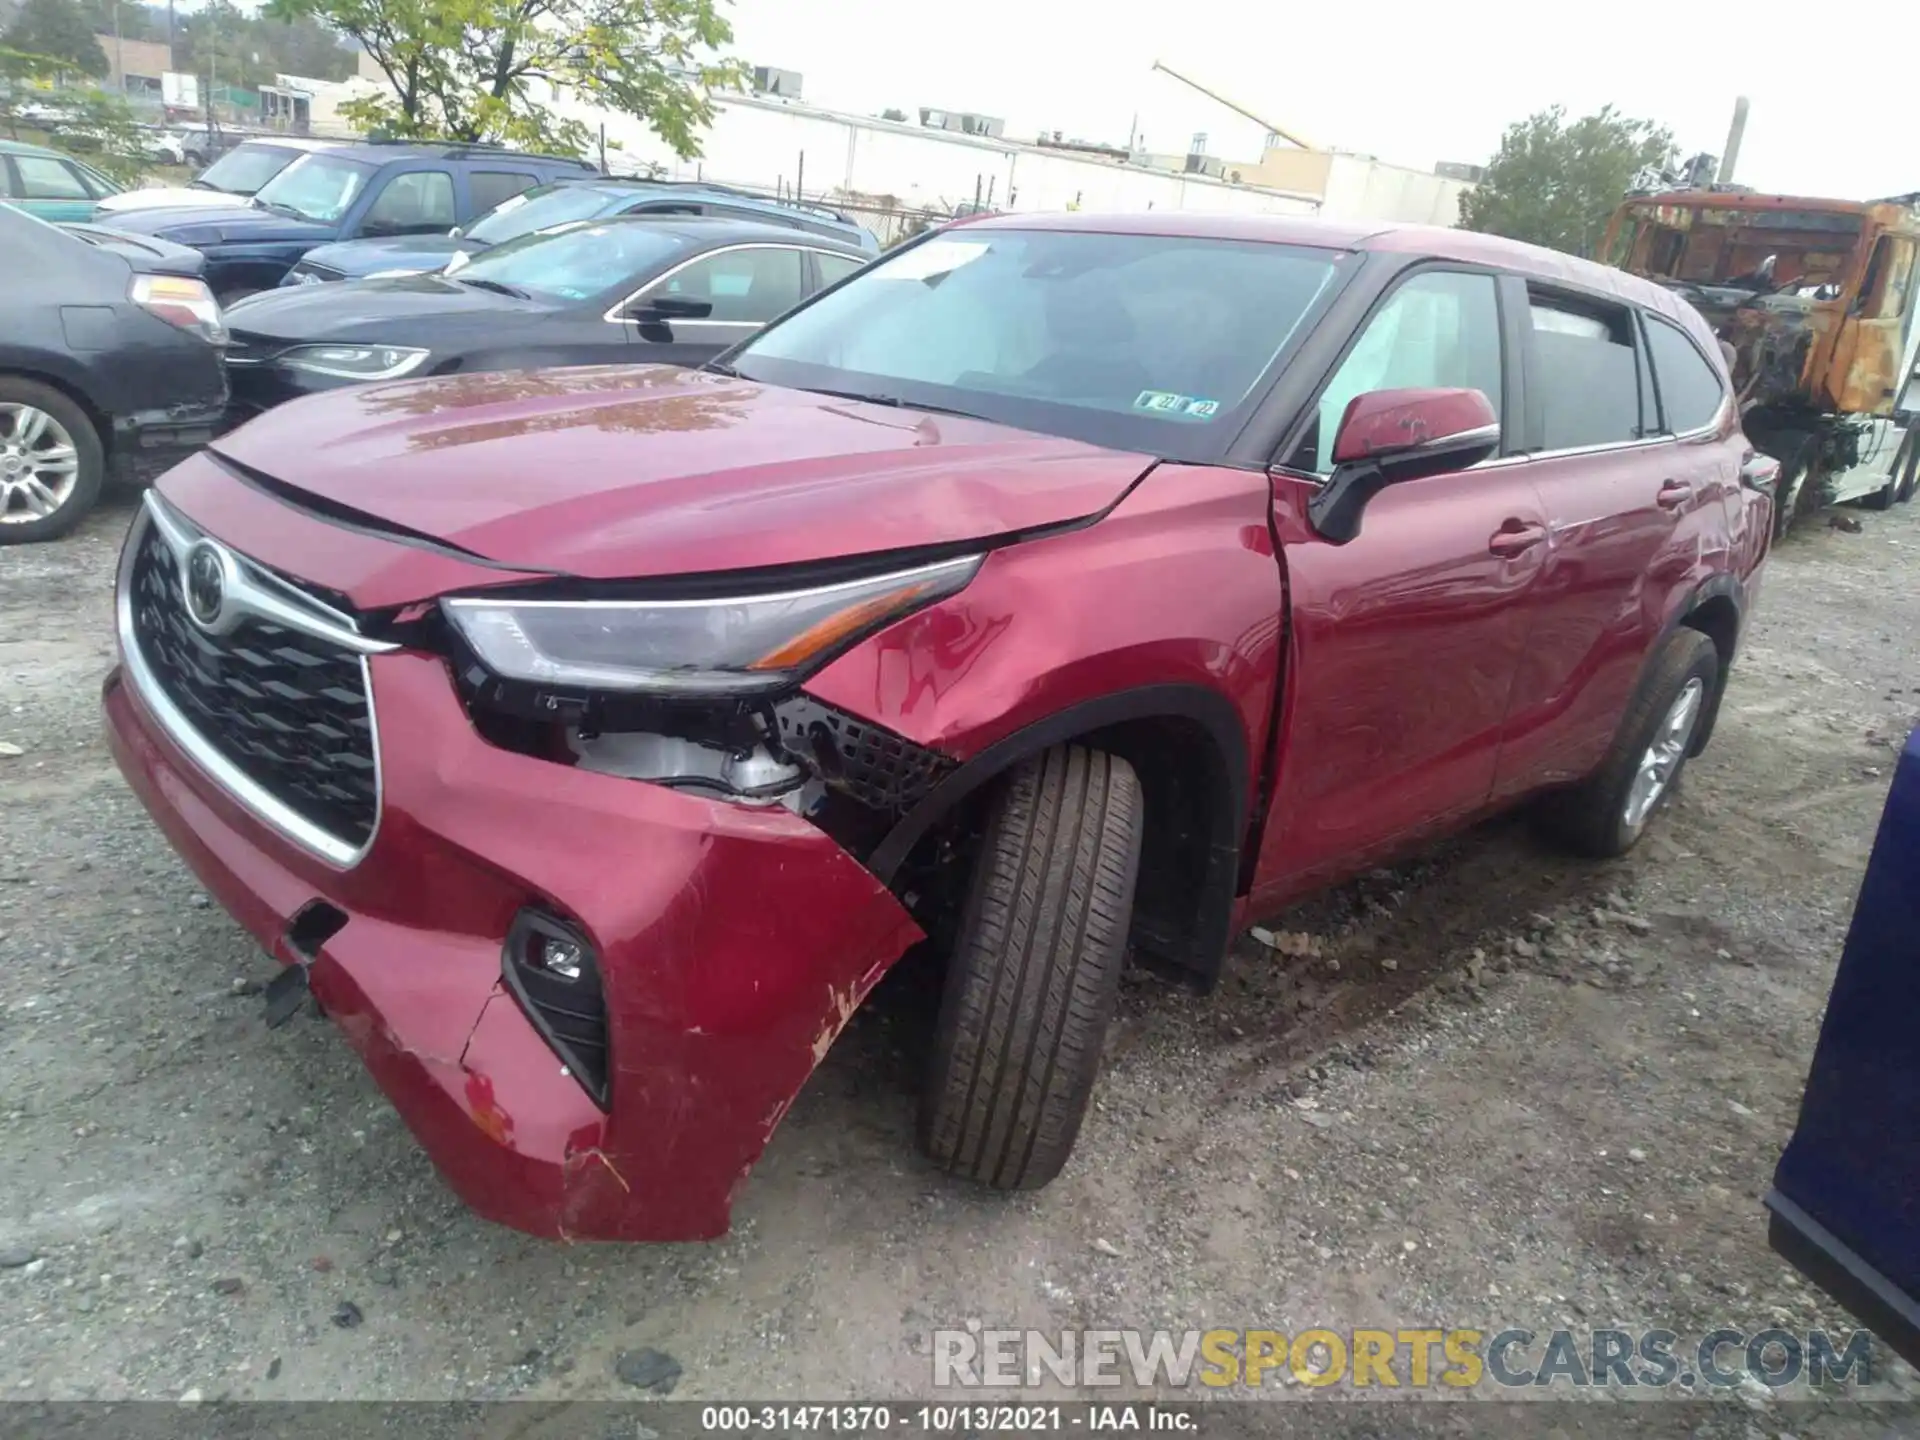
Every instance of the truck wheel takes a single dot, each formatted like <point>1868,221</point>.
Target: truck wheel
<point>51,462</point>
<point>1606,815</point>
<point>1907,465</point>
<point>1035,970</point>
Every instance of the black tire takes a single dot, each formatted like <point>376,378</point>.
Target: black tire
<point>1591,818</point>
<point>1907,465</point>
<point>89,475</point>
<point>1035,970</point>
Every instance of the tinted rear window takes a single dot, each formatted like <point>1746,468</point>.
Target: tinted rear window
<point>1585,372</point>
<point>1690,390</point>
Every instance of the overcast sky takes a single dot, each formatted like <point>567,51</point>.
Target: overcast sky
<point>1409,82</point>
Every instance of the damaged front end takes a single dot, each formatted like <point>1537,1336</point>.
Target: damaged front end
<point>611,910</point>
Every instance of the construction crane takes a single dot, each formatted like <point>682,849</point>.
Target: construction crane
<point>1267,125</point>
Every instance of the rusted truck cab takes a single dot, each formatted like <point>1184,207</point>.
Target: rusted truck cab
<point>1815,299</point>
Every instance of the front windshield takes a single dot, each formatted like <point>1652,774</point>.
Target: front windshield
<point>243,170</point>
<point>1151,342</point>
<point>320,188</point>
<point>577,263</point>
<point>539,209</point>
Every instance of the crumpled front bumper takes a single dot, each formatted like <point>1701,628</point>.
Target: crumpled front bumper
<point>734,944</point>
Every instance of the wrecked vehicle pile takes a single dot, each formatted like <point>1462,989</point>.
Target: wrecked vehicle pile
<point>1815,301</point>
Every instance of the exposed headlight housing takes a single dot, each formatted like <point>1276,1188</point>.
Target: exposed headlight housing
<point>744,645</point>
<point>182,301</point>
<point>355,362</point>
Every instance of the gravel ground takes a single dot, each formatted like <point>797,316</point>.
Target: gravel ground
<point>1492,1088</point>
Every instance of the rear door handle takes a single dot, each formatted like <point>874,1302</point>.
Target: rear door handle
<point>1516,537</point>
<point>1674,494</point>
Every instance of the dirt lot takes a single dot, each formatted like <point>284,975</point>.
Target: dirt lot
<point>1473,1102</point>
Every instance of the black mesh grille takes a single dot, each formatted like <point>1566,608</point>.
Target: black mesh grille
<point>288,709</point>
<point>866,762</point>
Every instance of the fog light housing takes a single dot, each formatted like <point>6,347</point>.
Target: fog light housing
<point>550,967</point>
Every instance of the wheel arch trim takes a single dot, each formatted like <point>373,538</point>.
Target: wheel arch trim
<point>1229,786</point>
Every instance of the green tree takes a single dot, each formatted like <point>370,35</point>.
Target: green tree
<point>488,69</point>
<point>1555,182</point>
<point>59,30</point>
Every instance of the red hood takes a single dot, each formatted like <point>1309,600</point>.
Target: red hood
<point>623,471</point>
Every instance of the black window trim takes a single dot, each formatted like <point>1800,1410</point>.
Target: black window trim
<point>1512,381</point>
<point>1536,422</point>
<point>1666,431</point>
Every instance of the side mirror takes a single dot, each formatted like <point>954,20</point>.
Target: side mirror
<point>1767,267</point>
<point>1388,436</point>
<point>669,307</point>
<point>456,232</point>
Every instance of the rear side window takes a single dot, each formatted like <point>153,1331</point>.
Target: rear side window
<point>1439,330</point>
<point>1690,392</point>
<point>42,178</point>
<point>1585,374</point>
<point>490,187</point>
<point>834,268</point>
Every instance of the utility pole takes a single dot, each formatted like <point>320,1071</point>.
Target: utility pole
<point>1739,129</point>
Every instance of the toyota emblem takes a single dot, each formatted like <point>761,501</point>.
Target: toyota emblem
<point>206,583</point>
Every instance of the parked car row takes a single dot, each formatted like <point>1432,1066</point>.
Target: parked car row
<point>628,289</point>
<point>586,270</point>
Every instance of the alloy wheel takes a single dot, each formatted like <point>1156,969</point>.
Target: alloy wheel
<point>1664,754</point>
<point>39,464</point>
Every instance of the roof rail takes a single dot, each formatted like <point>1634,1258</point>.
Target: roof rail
<point>460,149</point>
<point>813,207</point>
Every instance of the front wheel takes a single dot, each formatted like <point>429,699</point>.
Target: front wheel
<point>1035,971</point>
<point>51,462</point>
<point>1606,815</point>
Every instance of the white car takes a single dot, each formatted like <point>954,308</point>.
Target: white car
<point>232,178</point>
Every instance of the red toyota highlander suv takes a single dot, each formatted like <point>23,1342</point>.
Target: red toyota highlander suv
<point>588,743</point>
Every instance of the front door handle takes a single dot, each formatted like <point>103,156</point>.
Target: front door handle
<point>1516,537</point>
<point>1674,494</point>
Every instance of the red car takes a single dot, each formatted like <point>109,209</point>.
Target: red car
<point>590,742</point>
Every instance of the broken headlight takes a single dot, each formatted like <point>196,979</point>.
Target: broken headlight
<point>737,646</point>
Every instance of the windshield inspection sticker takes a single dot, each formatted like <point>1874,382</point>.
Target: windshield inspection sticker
<point>1183,407</point>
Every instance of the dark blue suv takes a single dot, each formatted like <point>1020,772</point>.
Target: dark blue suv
<point>350,193</point>
<point>568,202</point>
